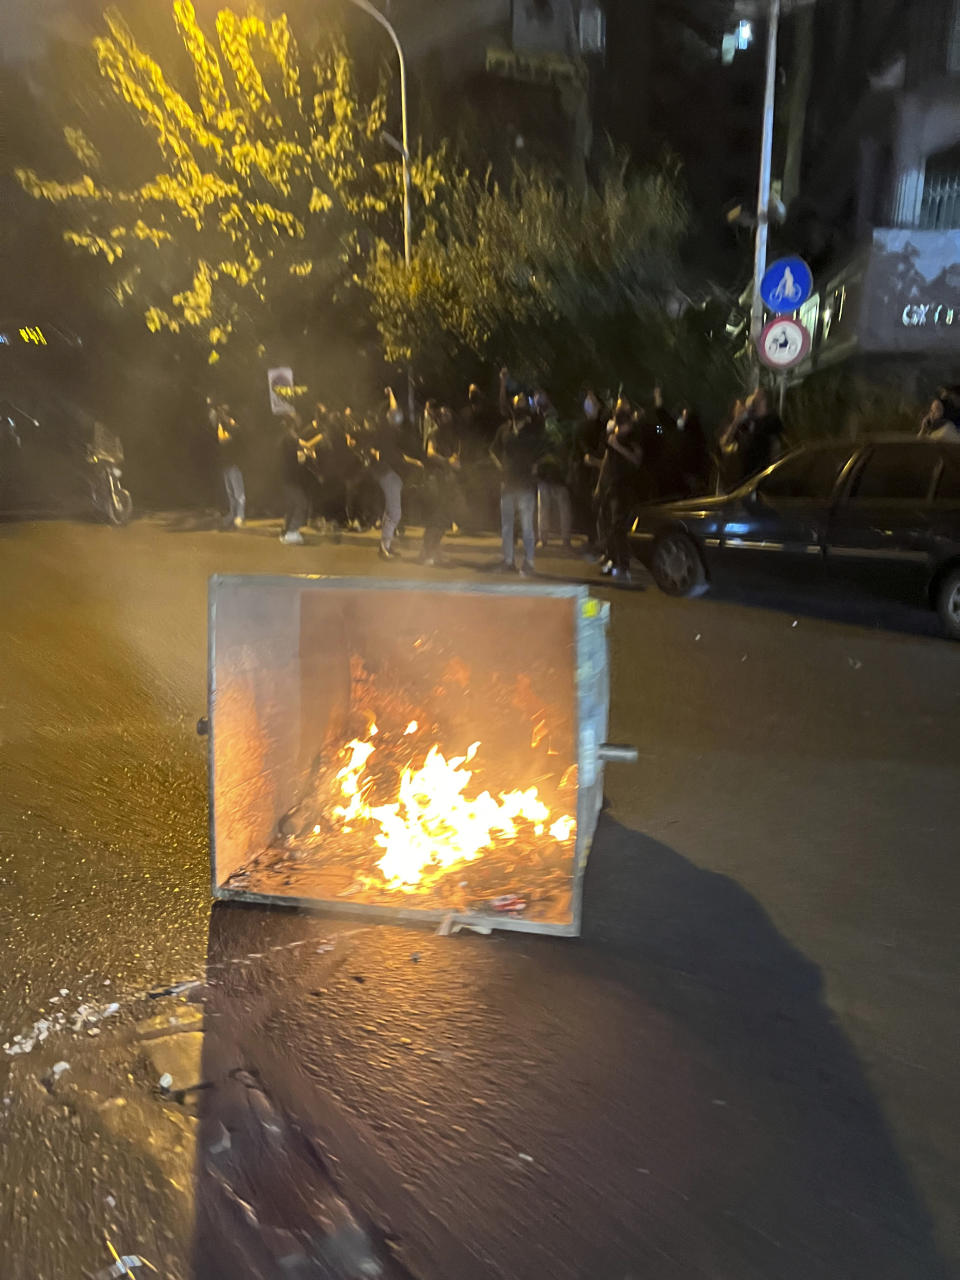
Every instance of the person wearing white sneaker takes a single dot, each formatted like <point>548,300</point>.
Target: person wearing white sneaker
<point>391,461</point>
<point>516,453</point>
<point>296,502</point>
<point>617,490</point>
<point>228,448</point>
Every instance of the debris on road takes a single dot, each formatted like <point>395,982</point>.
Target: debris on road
<point>59,1068</point>
<point>509,902</point>
<point>177,989</point>
<point>223,1142</point>
<point>178,1058</point>
<point>123,1266</point>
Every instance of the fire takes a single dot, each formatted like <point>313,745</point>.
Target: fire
<point>434,823</point>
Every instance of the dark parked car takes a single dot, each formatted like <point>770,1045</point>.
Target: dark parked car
<point>883,514</point>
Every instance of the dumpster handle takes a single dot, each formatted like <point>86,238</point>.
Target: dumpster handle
<point>616,753</point>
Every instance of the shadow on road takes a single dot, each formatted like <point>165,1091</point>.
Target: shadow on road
<point>877,615</point>
<point>669,1095</point>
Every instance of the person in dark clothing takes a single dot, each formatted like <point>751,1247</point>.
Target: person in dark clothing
<point>618,492</point>
<point>516,451</point>
<point>949,397</point>
<point>684,462</point>
<point>228,449</point>
<point>753,440</point>
<point>763,441</point>
<point>296,499</point>
<point>441,467</point>
<point>589,446</point>
<point>554,509</point>
<point>478,424</point>
<point>391,460</point>
<point>694,452</point>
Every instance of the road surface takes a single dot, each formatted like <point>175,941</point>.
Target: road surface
<point>745,1068</point>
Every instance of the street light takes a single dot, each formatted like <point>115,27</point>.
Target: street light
<point>766,171</point>
<point>774,9</point>
<point>403,146</point>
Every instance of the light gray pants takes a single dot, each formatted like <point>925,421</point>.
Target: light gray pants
<point>392,487</point>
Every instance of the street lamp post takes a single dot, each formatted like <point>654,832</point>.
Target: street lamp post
<point>404,149</point>
<point>766,170</point>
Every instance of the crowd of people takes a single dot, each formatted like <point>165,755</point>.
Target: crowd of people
<point>552,477</point>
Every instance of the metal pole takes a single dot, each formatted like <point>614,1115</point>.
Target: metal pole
<point>375,13</point>
<point>766,170</point>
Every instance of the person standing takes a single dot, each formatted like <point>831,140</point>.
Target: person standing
<point>479,422</point>
<point>588,449</point>
<point>617,492</point>
<point>441,467</point>
<point>296,499</point>
<point>761,439</point>
<point>390,463</point>
<point>694,452</point>
<point>228,449</point>
<point>516,451</point>
<point>554,510</point>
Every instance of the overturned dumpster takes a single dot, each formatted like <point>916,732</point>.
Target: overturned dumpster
<point>407,750</point>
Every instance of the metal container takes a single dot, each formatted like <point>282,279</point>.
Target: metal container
<point>298,663</point>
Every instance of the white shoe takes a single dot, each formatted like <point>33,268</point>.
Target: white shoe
<point>238,522</point>
<point>292,539</point>
<point>606,568</point>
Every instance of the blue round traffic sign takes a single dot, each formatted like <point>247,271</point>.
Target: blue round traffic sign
<point>786,286</point>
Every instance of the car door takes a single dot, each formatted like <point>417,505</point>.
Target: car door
<point>781,524</point>
<point>880,537</point>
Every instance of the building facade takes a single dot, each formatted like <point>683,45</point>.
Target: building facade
<point>877,211</point>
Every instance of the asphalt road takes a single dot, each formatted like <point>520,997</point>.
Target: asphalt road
<point>745,1068</point>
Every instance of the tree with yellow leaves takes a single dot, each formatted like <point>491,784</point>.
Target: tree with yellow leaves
<point>242,199</point>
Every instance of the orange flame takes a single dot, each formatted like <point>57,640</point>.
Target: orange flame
<point>433,824</point>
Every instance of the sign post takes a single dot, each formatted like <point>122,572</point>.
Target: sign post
<point>783,343</point>
<point>786,286</point>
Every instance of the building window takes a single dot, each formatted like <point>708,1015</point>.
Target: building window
<point>940,209</point>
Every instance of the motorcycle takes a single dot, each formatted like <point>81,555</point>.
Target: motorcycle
<point>110,499</point>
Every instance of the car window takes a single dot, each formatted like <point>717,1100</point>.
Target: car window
<point>811,475</point>
<point>897,472</point>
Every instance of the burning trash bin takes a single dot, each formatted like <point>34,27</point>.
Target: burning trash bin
<point>407,750</point>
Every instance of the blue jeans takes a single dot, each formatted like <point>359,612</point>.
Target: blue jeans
<point>236,494</point>
<point>513,503</point>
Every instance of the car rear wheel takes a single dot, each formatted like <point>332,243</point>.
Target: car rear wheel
<point>676,565</point>
<point>948,603</point>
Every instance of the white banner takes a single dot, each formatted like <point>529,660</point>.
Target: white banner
<point>282,380</point>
